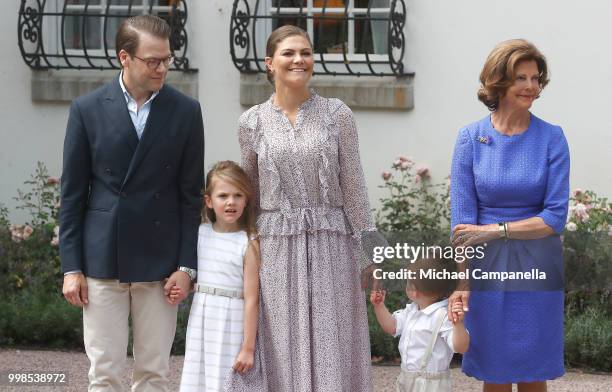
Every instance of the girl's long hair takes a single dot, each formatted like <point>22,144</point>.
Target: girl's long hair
<point>231,172</point>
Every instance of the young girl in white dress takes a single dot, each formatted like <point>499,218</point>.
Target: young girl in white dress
<point>429,337</point>
<point>222,327</point>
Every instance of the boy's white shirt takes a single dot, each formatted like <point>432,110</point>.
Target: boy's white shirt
<point>415,327</point>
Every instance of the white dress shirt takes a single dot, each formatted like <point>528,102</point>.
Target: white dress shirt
<point>415,327</point>
<point>139,116</point>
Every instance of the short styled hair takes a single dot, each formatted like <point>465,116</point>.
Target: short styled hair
<point>279,35</point>
<point>128,34</point>
<point>499,70</point>
<point>432,286</point>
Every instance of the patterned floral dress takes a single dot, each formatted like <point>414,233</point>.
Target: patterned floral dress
<point>313,210</point>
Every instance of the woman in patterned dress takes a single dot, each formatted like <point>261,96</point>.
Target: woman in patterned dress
<point>510,179</point>
<point>301,153</point>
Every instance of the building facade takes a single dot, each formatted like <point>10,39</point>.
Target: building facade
<point>414,111</point>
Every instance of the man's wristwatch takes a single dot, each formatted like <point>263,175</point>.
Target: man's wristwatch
<point>189,271</point>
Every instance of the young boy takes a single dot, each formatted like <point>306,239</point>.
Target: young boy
<point>428,336</point>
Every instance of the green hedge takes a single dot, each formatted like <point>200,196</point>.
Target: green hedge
<point>33,312</point>
<point>40,319</point>
<point>46,320</point>
<point>588,340</point>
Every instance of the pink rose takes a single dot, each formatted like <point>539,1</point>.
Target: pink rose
<point>386,176</point>
<point>52,181</point>
<point>16,233</point>
<point>27,232</point>
<point>577,192</point>
<point>580,212</point>
<point>405,162</point>
<point>405,165</point>
<point>422,171</point>
<point>20,232</point>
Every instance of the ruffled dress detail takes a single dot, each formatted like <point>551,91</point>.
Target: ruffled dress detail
<point>312,211</point>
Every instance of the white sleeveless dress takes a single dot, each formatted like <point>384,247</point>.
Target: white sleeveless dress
<point>215,327</point>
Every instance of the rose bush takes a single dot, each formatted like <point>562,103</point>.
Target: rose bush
<point>413,211</point>
<point>416,211</point>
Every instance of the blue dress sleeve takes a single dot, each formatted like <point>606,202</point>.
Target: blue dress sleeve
<point>464,201</point>
<point>554,211</point>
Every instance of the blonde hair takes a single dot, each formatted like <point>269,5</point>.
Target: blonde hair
<point>499,70</point>
<point>231,172</point>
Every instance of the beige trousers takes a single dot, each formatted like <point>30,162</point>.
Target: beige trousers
<point>105,332</point>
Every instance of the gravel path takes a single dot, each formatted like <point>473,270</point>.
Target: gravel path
<point>76,364</point>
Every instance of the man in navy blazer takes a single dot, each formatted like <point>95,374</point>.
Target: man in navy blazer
<point>132,177</point>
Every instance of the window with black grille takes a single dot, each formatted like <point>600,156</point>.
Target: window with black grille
<point>81,33</point>
<point>350,37</point>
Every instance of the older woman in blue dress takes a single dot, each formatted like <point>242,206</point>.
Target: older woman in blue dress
<point>510,190</point>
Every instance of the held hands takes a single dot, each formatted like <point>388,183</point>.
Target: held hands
<point>244,360</point>
<point>456,315</point>
<point>176,295</point>
<point>75,289</point>
<point>177,287</point>
<point>458,301</point>
<point>469,235</point>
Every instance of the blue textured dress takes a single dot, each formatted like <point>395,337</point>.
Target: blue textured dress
<point>516,331</point>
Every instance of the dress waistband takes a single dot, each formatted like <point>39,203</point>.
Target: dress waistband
<point>201,288</point>
<point>297,220</point>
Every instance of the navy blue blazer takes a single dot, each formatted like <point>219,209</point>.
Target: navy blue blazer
<point>130,209</point>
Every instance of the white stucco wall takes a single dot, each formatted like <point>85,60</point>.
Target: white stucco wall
<point>29,132</point>
<point>447,43</point>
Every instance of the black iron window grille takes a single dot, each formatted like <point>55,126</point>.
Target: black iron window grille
<point>80,34</point>
<point>350,37</point>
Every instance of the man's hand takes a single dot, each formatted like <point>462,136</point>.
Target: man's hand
<point>176,295</point>
<point>180,279</point>
<point>75,289</point>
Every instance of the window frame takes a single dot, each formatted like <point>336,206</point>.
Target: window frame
<point>351,11</point>
<point>42,38</point>
<point>251,23</point>
<point>105,9</point>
